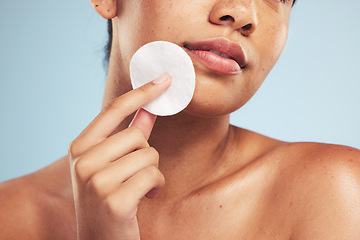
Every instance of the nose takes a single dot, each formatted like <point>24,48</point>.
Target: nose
<point>238,14</point>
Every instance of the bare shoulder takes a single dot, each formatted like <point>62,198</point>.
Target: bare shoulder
<point>31,208</point>
<point>324,182</point>
<point>19,209</point>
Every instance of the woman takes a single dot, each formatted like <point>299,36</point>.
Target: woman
<point>192,175</point>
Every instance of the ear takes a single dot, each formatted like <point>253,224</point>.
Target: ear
<point>106,8</point>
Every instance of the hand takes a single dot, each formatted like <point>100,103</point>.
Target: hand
<point>112,173</point>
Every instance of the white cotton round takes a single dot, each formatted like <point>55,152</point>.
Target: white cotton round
<point>156,58</point>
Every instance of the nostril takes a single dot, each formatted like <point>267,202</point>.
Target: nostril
<point>247,27</point>
<point>227,18</point>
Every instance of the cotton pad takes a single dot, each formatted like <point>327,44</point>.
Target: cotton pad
<point>156,58</point>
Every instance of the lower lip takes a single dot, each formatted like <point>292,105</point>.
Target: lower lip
<point>216,63</point>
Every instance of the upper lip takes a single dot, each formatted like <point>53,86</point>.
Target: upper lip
<point>222,45</point>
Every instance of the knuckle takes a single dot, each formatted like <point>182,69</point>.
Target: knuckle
<point>153,154</point>
<point>154,176</point>
<point>137,133</point>
<point>96,185</point>
<point>77,166</point>
<point>152,173</point>
<point>144,88</point>
<point>73,149</point>
<point>114,102</point>
<point>145,92</point>
<point>80,169</point>
<point>161,179</point>
<point>137,138</point>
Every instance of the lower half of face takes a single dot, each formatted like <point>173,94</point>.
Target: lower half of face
<point>187,23</point>
<point>216,94</point>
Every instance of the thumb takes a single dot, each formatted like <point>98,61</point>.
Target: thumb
<point>145,121</point>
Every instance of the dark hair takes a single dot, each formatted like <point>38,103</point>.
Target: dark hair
<point>109,42</point>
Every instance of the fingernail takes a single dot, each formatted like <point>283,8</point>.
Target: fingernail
<point>161,79</point>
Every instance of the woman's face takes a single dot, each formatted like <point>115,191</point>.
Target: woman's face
<point>252,33</point>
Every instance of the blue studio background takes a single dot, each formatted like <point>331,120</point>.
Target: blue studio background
<point>52,79</point>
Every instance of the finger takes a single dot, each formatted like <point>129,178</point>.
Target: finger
<point>109,179</point>
<point>109,150</point>
<point>109,119</point>
<point>126,199</point>
<point>143,181</point>
<point>145,121</point>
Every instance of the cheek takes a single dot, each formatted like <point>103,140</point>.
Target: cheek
<point>269,45</point>
<point>273,44</point>
<point>171,21</point>
<point>168,19</point>
<point>143,21</point>
<point>279,42</point>
<point>144,24</point>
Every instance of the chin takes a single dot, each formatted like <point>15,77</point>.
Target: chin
<point>210,108</point>
<point>219,96</point>
<point>206,113</point>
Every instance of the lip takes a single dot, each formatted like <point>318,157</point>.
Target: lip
<point>232,64</point>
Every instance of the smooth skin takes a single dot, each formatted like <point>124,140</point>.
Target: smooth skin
<point>192,175</point>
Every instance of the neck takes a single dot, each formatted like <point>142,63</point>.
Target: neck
<point>190,149</point>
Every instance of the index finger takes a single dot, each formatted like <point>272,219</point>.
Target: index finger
<point>121,107</point>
